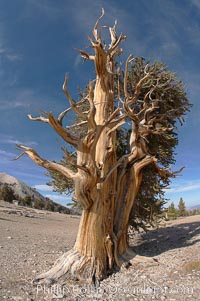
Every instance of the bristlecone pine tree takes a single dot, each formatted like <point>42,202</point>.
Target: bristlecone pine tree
<point>106,184</point>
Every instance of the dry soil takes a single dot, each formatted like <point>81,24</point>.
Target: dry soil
<point>31,240</point>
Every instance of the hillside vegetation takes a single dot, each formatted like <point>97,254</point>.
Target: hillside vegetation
<point>14,190</point>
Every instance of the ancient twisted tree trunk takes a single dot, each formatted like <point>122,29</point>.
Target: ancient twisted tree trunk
<point>94,240</point>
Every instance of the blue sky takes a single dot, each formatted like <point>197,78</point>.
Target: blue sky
<point>38,42</point>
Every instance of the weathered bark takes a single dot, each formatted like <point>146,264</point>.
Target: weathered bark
<point>95,234</point>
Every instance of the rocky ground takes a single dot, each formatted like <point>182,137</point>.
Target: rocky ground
<point>31,240</point>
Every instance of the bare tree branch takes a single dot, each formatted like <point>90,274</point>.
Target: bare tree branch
<point>144,162</point>
<point>133,98</point>
<point>114,47</point>
<point>129,100</point>
<point>164,173</point>
<point>68,156</point>
<point>46,120</point>
<point>113,35</point>
<point>92,111</point>
<point>45,163</point>
<point>85,55</point>
<point>40,118</point>
<point>56,124</point>
<point>96,34</point>
<point>119,123</point>
<point>114,167</point>
<point>62,115</point>
<point>73,104</point>
<point>68,137</point>
<point>72,161</point>
<point>126,93</point>
<point>76,124</point>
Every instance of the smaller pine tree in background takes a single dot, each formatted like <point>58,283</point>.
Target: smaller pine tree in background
<point>181,208</point>
<point>172,212</point>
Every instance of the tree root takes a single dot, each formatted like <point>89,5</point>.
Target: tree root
<point>130,258</point>
<point>144,259</point>
<point>74,266</point>
<point>71,265</point>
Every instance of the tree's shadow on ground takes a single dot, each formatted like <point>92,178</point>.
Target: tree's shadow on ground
<point>160,240</point>
<point>6,219</point>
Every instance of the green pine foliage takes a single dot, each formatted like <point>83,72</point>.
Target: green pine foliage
<point>172,212</point>
<point>151,200</point>
<point>181,208</point>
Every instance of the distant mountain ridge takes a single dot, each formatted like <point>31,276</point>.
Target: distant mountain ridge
<point>22,191</point>
<point>195,207</point>
<point>20,188</point>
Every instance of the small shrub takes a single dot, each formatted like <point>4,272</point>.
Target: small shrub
<point>38,204</point>
<point>27,201</point>
<point>7,193</point>
<point>50,206</point>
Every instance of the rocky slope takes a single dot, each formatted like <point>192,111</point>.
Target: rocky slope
<point>20,188</point>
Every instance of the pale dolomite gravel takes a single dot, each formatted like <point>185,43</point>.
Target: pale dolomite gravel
<point>30,245</point>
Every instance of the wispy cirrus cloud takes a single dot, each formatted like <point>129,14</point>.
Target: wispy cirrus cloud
<point>26,98</point>
<point>9,55</point>
<point>161,25</point>
<point>59,198</point>
<point>47,191</point>
<point>8,139</point>
<point>15,141</point>
<point>21,98</point>
<point>43,187</point>
<point>184,187</point>
<point>10,105</point>
<point>6,154</point>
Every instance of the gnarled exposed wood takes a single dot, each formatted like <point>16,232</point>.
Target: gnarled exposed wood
<point>56,124</point>
<point>67,136</point>
<point>45,163</point>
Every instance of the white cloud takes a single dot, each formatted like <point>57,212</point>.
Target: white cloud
<point>9,55</point>
<point>10,105</point>
<point>14,141</point>
<point>163,20</point>
<point>18,104</point>
<point>183,187</point>
<point>21,99</point>
<point>59,198</point>
<point>43,187</point>
<point>11,140</point>
<point>7,139</point>
<point>7,154</point>
<point>27,99</point>
<point>53,195</point>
